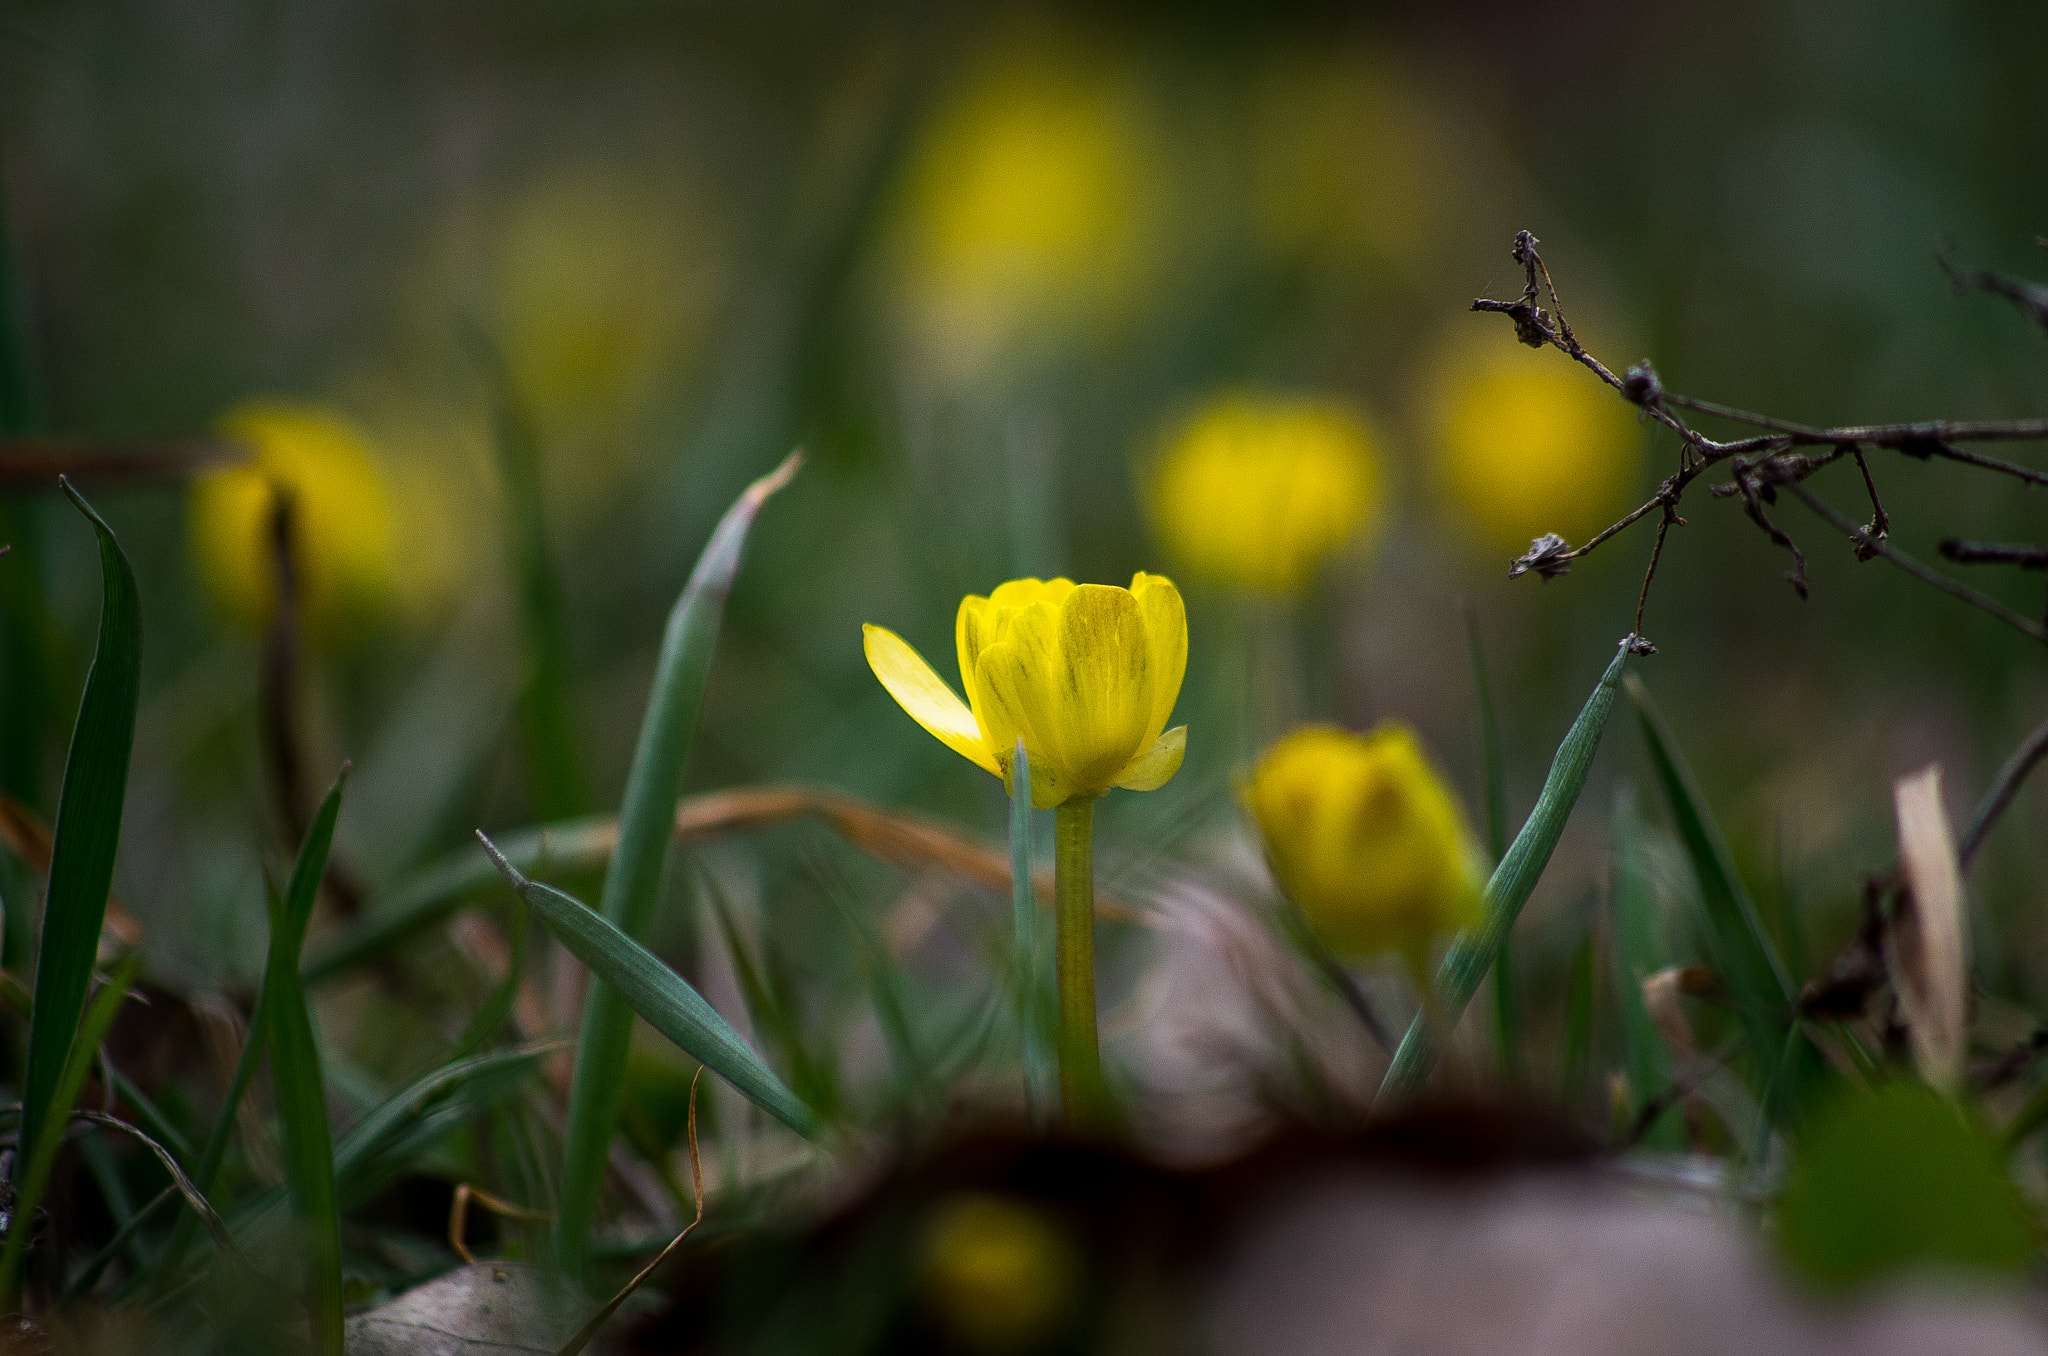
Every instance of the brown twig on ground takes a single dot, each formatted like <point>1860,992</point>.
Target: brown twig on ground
<point>597,1320</point>
<point>458,1216</point>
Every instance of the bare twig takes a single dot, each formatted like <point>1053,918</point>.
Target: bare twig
<point>2004,787</point>
<point>1992,553</point>
<point>458,1216</point>
<point>1954,588</point>
<point>1759,463</point>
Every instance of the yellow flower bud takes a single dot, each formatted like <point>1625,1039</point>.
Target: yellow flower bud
<point>999,1274</point>
<point>1367,840</point>
<point>1529,442</point>
<point>1258,491</point>
<point>341,518</point>
<point>1085,674</point>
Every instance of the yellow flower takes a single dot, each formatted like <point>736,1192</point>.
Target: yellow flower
<point>1366,840</point>
<point>1027,205</point>
<point>1530,442</point>
<point>1258,491</point>
<point>342,518</point>
<point>999,1273</point>
<point>1086,674</point>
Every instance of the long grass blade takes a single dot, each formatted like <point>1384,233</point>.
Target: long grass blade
<point>1740,951</point>
<point>42,1160</point>
<point>1507,1024</point>
<point>550,740</point>
<point>1639,952</point>
<point>1470,957</point>
<point>304,1134</point>
<point>662,997</point>
<point>632,884</point>
<point>88,833</point>
<point>1742,955</point>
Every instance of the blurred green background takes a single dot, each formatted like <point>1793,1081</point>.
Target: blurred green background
<point>979,262</point>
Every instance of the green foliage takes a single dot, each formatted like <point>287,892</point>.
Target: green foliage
<point>88,832</point>
<point>1737,947</point>
<point>662,998</point>
<point>1900,1178</point>
<point>34,1178</point>
<point>432,893</point>
<point>1509,889</point>
<point>1639,952</point>
<point>304,1134</point>
<point>1507,1034</point>
<point>633,882</point>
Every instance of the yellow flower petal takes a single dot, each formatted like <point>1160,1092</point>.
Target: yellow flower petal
<point>1155,767</point>
<point>1103,698</point>
<point>1006,677</point>
<point>1166,644</point>
<point>925,695</point>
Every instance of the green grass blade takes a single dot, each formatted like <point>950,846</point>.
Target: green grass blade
<point>1741,953</point>
<point>550,740</point>
<point>1639,952</point>
<point>428,896</point>
<point>1507,1024</point>
<point>35,1178</point>
<point>632,883</point>
<point>304,1135</point>
<point>88,833</point>
<point>1493,761</point>
<point>661,996</point>
<point>1471,955</point>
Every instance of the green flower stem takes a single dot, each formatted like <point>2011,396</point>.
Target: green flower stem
<point>1074,903</point>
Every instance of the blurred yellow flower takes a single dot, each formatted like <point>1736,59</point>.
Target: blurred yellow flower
<point>1086,674</point>
<point>998,1273</point>
<point>604,282</point>
<point>596,285</point>
<point>1529,442</point>
<point>341,517</point>
<point>1028,205</point>
<point>1258,491</point>
<point>1367,841</point>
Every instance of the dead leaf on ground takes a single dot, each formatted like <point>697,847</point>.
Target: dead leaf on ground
<point>1926,945</point>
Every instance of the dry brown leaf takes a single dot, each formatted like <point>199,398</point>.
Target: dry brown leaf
<point>892,836</point>
<point>29,838</point>
<point>1926,945</point>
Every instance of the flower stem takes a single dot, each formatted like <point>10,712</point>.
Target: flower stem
<point>1081,1089</point>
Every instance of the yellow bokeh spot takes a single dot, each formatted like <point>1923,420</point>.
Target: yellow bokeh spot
<point>1530,442</point>
<point>602,288</point>
<point>1029,204</point>
<point>998,1273</point>
<point>344,544</point>
<point>1259,491</point>
<point>1367,840</point>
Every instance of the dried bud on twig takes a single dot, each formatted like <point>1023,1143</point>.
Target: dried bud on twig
<point>1547,555</point>
<point>1641,384</point>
